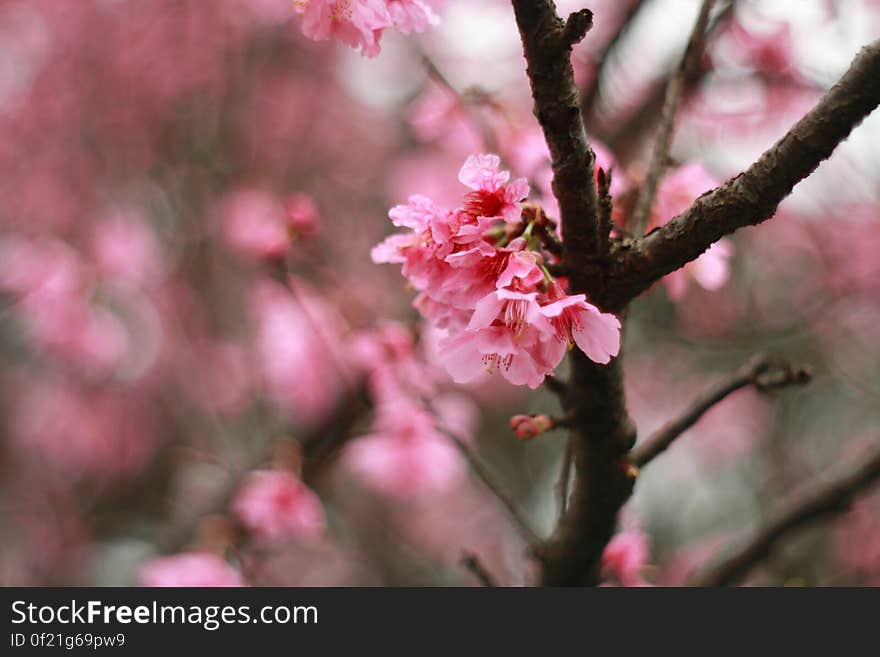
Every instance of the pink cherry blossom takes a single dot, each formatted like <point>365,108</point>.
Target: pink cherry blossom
<point>395,369</point>
<point>298,335</point>
<point>526,427</point>
<point>597,334</point>
<point>457,413</point>
<point>357,23</point>
<point>507,333</point>
<point>492,196</point>
<point>678,190</point>
<point>437,114</point>
<point>711,271</point>
<point>80,432</point>
<point>275,504</point>
<point>126,250</point>
<point>411,16</point>
<point>197,569</point>
<point>54,302</point>
<point>499,306</point>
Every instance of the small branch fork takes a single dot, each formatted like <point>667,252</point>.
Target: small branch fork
<point>751,197</point>
<point>471,562</point>
<point>811,504</point>
<point>760,372</point>
<point>468,101</point>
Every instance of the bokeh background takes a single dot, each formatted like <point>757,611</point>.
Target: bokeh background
<point>189,193</point>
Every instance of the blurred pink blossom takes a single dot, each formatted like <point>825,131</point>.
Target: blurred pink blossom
<point>625,558</point>
<point>255,224</point>
<point>276,504</point>
<point>126,251</point>
<point>196,569</point>
<point>676,193</point>
<point>299,346</point>
<point>405,454</point>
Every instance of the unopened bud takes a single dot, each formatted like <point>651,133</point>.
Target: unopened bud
<point>526,427</point>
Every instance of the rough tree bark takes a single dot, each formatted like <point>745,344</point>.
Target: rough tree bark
<point>602,433</point>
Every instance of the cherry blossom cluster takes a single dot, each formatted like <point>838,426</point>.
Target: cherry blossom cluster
<point>361,23</point>
<point>483,280</point>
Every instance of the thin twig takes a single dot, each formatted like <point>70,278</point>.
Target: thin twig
<point>472,562</point>
<point>590,91</point>
<point>674,90</point>
<point>629,134</point>
<point>468,106</point>
<point>759,372</point>
<point>811,504</point>
<point>498,490</point>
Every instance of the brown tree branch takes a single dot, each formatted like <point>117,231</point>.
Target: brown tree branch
<point>759,372</point>
<point>811,504</point>
<point>601,430</point>
<point>576,27</point>
<point>547,47</point>
<point>751,197</point>
<point>663,142</point>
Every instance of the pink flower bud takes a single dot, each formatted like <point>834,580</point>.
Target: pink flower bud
<point>526,427</point>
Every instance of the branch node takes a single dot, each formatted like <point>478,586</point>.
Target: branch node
<point>576,27</point>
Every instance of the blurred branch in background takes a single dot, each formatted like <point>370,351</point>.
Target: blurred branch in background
<point>470,101</point>
<point>319,450</point>
<point>627,137</point>
<point>590,91</point>
<point>497,489</point>
<point>638,220</point>
<point>472,563</point>
<point>762,373</point>
<point>813,503</point>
